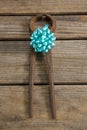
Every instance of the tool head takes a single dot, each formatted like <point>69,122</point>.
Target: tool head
<point>46,17</point>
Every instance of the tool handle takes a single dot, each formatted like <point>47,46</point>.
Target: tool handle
<point>31,81</point>
<point>51,83</point>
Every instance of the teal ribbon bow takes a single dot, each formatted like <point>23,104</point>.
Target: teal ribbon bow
<point>42,39</point>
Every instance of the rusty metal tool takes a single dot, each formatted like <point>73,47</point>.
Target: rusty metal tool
<point>48,57</point>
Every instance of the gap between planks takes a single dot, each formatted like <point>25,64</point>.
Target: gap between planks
<point>43,84</point>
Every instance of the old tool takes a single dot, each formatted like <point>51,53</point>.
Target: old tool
<point>42,40</point>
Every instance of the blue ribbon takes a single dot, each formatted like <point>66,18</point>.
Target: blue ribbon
<point>42,39</point>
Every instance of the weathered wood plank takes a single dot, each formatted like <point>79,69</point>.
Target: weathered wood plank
<point>40,6</point>
<point>71,103</point>
<point>69,60</point>
<point>68,27</point>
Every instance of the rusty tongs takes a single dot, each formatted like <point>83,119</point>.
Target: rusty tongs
<point>49,65</point>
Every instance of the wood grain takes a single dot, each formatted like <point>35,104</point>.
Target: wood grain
<point>40,6</point>
<point>71,102</point>
<point>68,27</point>
<point>69,62</point>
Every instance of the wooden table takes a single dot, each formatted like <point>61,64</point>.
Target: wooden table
<point>69,62</point>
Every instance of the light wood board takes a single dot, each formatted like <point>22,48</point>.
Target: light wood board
<point>69,62</point>
<point>67,27</point>
<point>15,7</point>
<point>71,104</point>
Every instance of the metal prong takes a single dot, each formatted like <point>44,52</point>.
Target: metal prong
<point>51,83</point>
<point>31,81</point>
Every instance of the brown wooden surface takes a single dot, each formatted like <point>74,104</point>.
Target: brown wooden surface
<point>71,102</point>
<point>42,6</point>
<point>68,27</point>
<point>69,64</point>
